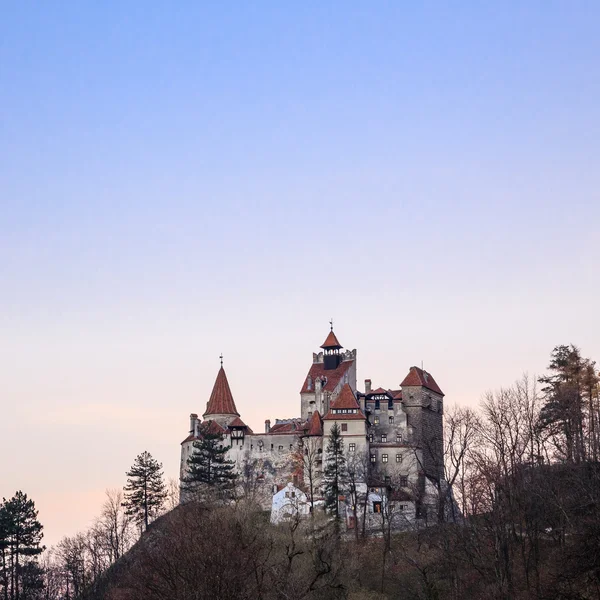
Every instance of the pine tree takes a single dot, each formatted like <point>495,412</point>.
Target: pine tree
<point>20,537</point>
<point>4,552</point>
<point>335,473</point>
<point>569,413</point>
<point>145,492</point>
<point>208,466</point>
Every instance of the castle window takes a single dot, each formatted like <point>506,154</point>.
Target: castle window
<point>398,458</point>
<point>344,426</point>
<point>376,507</point>
<point>305,451</point>
<point>383,438</point>
<point>384,458</point>
<point>377,405</point>
<point>351,447</point>
<point>251,446</point>
<point>398,438</point>
<point>376,420</point>
<point>388,480</point>
<point>272,446</point>
<point>287,494</point>
<point>390,404</point>
<point>391,420</point>
<point>371,437</point>
<point>404,481</point>
<point>280,448</point>
<point>373,458</point>
<point>293,494</point>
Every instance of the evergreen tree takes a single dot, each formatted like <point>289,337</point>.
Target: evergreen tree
<point>208,466</point>
<point>335,473</point>
<point>4,552</point>
<point>570,412</point>
<point>20,537</point>
<point>145,492</point>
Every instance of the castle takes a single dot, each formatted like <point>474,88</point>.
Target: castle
<point>395,434</point>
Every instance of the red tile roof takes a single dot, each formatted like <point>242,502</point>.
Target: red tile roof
<point>290,426</point>
<point>333,376</point>
<point>221,400</point>
<point>211,428</point>
<point>315,424</point>
<point>331,341</point>
<point>379,391</point>
<point>346,399</point>
<point>237,422</point>
<point>418,377</point>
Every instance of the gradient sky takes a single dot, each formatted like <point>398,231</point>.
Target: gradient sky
<point>182,179</point>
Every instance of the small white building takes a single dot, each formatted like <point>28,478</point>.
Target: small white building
<point>289,503</point>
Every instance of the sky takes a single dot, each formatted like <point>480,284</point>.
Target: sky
<point>181,180</point>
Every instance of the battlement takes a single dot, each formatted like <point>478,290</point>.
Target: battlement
<point>346,355</point>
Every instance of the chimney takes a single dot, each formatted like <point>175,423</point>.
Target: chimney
<point>193,419</point>
<point>267,426</point>
<point>367,386</point>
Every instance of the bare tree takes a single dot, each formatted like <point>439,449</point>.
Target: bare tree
<point>172,500</point>
<point>116,525</point>
<point>309,457</point>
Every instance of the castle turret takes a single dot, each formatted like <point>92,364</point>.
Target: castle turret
<point>423,400</point>
<point>221,406</point>
<point>332,356</point>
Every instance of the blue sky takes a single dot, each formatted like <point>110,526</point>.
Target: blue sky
<point>178,181</point>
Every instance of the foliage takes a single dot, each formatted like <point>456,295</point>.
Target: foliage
<point>20,544</point>
<point>335,472</point>
<point>145,492</point>
<point>208,466</point>
<point>570,414</point>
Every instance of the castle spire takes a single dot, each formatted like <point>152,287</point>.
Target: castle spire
<point>331,350</point>
<point>221,399</point>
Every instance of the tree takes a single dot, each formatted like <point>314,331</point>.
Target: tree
<point>71,554</point>
<point>358,472</point>
<point>209,470</point>
<point>570,412</point>
<point>20,537</point>
<point>4,552</point>
<point>308,457</point>
<point>335,472</point>
<point>145,491</point>
<point>115,525</point>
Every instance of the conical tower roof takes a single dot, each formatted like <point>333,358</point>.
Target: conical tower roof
<point>221,399</point>
<point>331,342</point>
